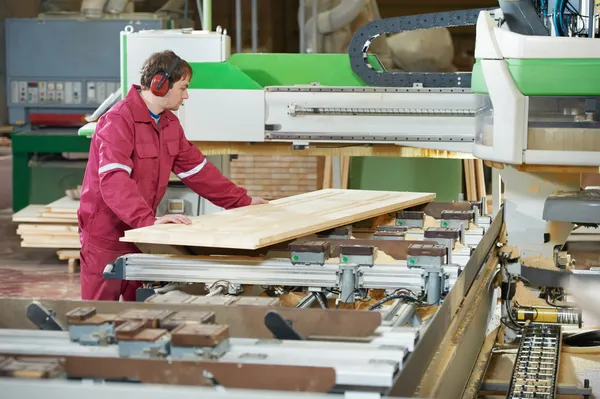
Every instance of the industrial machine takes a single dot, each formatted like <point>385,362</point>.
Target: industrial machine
<point>74,68</point>
<point>465,265</point>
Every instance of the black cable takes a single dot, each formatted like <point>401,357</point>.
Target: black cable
<point>391,298</point>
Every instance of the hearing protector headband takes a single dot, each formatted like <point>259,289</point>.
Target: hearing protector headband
<point>158,86</point>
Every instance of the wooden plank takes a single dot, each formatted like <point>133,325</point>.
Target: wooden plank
<point>35,214</point>
<point>480,178</point>
<point>63,205</point>
<point>283,219</point>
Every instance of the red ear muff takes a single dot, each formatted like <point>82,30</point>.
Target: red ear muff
<point>160,84</point>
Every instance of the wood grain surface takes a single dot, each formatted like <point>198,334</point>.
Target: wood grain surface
<point>280,220</point>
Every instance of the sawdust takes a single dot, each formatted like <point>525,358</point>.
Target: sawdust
<point>426,312</point>
<point>430,222</point>
<point>383,258</point>
<point>525,297</point>
<point>540,262</point>
<point>458,246</point>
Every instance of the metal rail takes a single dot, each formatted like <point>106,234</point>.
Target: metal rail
<point>158,268</point>
<point>355,364</point>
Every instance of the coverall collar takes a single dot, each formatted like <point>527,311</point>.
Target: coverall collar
<point>139,108</point>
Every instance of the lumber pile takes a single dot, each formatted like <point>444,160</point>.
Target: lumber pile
<point>474,179</point>
<point>49,226</point>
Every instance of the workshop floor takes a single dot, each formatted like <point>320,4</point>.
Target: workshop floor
<point>28,272</point>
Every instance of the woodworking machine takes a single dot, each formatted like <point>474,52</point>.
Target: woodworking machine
<point>529,107</point>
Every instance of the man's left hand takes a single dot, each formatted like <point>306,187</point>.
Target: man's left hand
<point>258,201</point>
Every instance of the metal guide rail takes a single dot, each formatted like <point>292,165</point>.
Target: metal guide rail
<point>194,336</point>
<point>536,366</point>
<point>282,273</point>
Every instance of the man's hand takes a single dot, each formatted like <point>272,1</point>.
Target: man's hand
<point>177,219</point>
<point>258,201</point>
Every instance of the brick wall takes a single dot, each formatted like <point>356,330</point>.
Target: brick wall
<point>273,177</point>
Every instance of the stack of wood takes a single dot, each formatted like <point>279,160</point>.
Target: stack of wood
<point>51,226</point>
<point>474,180</point>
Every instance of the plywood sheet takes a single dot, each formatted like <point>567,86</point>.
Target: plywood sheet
<point>64,205</point>
<point>281,220</point>
<point>36,214</point>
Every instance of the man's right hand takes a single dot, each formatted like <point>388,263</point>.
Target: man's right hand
<point>177,219</point>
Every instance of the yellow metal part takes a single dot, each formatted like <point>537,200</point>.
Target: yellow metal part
<point>548,315</point>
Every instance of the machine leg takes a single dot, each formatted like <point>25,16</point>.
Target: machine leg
<point>496,191</point>
<point>336,171</point>
<point>22,175</point>
<point>524,196</point>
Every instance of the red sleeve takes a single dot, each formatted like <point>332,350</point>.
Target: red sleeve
<point>113,139</point>
<point>202,176</point>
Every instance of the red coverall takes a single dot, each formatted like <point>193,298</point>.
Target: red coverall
<point>130,161</point>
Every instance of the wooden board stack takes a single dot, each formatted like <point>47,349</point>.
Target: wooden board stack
<point>49,226</point>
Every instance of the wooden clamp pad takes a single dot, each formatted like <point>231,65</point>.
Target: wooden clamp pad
<point>137,330</point>
<point>410,215</point>
<point>87,316</point>
<point>427,250</point>
<point>199,335</point>
<point>152,318</point>
<point>457,215</point>
<point>441,232</point>
<point>192,317</point>
<point>313,246</point>
<point>30,367</point>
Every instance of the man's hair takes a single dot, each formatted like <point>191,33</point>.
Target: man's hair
<point>161,62</point>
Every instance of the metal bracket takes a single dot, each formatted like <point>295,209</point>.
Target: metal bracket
<point>43,318</point>
<point>280,327</point>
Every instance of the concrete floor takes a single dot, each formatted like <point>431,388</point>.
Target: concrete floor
<point>28,272</point>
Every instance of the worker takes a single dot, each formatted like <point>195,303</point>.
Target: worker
<point>134,149</point>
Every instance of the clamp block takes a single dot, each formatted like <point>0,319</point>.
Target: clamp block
<point>136,340</point>
<point>390,233</point>
<point>89,328</point>
<point>359,255</point>
<point>309,252</point>
<point>442,235</point>
<point>426,255</point>
<point>454,219</point>
<point>209,341</point>
<point>410,219</point>
<point>177,319</point>
<point>152,318</point>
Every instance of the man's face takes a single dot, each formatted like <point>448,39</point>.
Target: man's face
<point>177,94</point>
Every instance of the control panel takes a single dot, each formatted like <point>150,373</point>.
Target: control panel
<point>74,68</point>
<point>47,92</point>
